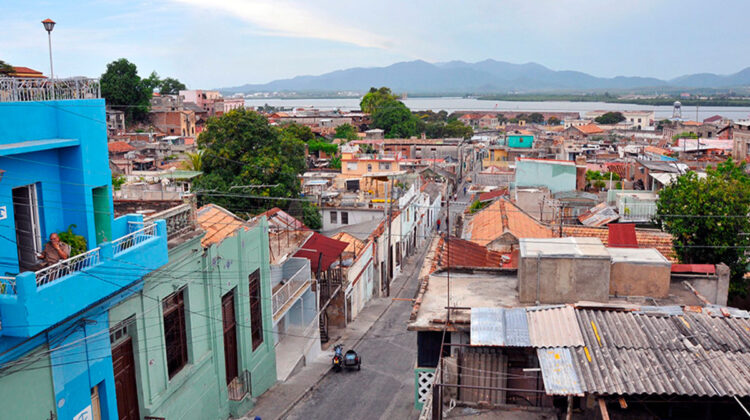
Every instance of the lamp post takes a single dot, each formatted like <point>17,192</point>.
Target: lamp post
<point>49,24</point>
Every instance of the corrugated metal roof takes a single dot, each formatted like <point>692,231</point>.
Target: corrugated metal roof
<point>487,327</point>
<point>499,327</point>
<point>651,371</point>
<point>554,327</point>
<point>558,371</point>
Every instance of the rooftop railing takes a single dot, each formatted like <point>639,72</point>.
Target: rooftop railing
<point>7,285</point>
<point>130,240</point>
<point>18,89</point>
<point>180,220</point>
<point>55,271</point>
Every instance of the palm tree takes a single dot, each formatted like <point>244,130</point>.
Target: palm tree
<point>5,69</point>
<point>194,162</point>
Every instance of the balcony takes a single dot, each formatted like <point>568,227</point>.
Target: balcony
<point>181,223</point>
<point>641,212</point>
<point>32,301</point>
<point>31,89</point>
<point>290,288</point>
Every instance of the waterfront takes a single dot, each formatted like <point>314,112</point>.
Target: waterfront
<point>451,104</point>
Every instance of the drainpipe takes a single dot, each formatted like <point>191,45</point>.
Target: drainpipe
<point>538,260</point>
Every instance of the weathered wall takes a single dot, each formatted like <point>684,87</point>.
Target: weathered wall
<point>563,280</point>
<point>639,280</point>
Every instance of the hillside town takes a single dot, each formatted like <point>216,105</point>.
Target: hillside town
<point>187,255</point>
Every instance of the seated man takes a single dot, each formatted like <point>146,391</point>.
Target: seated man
<point>54,251</point>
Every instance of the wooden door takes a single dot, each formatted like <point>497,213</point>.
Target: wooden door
<point>230,336</point>
<point>125,388</point>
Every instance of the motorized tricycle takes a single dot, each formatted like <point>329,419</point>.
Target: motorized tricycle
<point>349,360</point>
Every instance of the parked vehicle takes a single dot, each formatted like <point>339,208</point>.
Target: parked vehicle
<point>349,360</point>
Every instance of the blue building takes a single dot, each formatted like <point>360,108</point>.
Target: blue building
<point>518,140</point>
<point>556,175</point>
<point>55,355</point>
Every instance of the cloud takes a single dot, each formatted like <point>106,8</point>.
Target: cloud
<point>288,19</point>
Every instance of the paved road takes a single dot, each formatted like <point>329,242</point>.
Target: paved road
<point>384,388</point>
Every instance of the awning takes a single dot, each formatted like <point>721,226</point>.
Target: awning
<point>321,248</point>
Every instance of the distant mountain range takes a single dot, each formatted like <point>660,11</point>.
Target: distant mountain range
<point>484,77</point>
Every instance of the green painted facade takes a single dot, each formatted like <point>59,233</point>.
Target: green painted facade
<point>26,391</point>
<point>520,141</point>
<point>199,390</point>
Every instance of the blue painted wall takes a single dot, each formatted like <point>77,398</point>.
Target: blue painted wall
<point>520,141</point>
<point>555,175</point>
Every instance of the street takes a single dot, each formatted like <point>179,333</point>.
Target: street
<point>384,388</point>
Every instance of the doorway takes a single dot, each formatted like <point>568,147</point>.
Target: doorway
<point>230,337</point>
<point>102,217</point>
<point>28,231</point>
<point>123,365</point>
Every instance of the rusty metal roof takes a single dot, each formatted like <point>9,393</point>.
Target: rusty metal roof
<point>558,371</point>
<point>554,326</point>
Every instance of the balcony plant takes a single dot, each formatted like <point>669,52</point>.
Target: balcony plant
<point>77,242</point>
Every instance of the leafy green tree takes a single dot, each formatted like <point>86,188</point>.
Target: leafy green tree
<point>298,131</point>
<point>346,131</point>
<point>171,86</point>
<point>124,90</point>
<point>242,149</point>
<point>536,118</point>
<point>335,163</point>
<point>152,82</point>
<point>610,118</point>
<point>458,129</point>
<point>194,162</point>
<point>685,135</point>
<point>395,119</point>
<point>5,68</point>
<point>708,219</point>
<point>553,120</point>
<point>376,99</point>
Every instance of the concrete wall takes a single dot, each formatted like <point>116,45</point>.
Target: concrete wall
<point>28,393</point>
<point>356,216</point>
<point>557,176</point>
<point>628,279</point>
<point>563,280</point>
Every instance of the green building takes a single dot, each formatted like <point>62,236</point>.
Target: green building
<point>520,140</point>
<point>198,343</point>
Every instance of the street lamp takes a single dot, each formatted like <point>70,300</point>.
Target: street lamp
<point>49,24</point>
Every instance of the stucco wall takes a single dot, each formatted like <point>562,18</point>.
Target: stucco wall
<point>563,280</point>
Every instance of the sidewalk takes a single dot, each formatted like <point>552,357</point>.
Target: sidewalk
<point>282,397</point>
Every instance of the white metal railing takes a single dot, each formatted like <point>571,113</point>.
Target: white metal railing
<point>636,212</point>
<point>132,239</point>
<point>282,296</point>
<point>7,285</point>
<point>15,89</point>
<point>62,268</point>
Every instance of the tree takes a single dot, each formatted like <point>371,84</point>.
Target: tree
<point>6,69</point>
<point>124,90</point>
<point>376,98</point>
<point>457,129</point>
<point>194,162</point>
<point>708,219</point>
<point>242,149</point>
<point>395,119</point>
<point>347,132</point>
<point>553,120</point>
<point>536,118</point>
<point>152,82</point>
<point>685,135</point>
<point>171,86</point>
<point>610,118</point>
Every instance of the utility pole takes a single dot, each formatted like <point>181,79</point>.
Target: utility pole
<point>448,244</point>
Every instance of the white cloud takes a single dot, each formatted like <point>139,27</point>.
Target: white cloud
<point>284,18</point>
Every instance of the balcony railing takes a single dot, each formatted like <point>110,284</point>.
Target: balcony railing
<point>285,293</point>
<point>81,261</point>
<point>132,239</point>
<point>14,89</point>
<point>636,212</point>
<point>180,220</point>
<point>7,285</point>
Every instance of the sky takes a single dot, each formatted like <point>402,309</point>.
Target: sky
<point>223,43</point>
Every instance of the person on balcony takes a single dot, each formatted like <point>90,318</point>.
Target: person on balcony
<point>54,251</point>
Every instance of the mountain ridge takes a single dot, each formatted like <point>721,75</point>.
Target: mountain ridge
<point>482,77</point>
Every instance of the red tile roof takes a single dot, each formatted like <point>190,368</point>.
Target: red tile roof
<point>589,129</point>
<point>491,195</point>
<point>218,222</point>
<point>647,238</point>
<point>119,147</point>
<point>501,217</point>
<point>318,245</point>
<point>465,253</point>
<point>27,72</point>
<point>694,268</point>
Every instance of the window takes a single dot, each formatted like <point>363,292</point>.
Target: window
<point>333,217</point>
<point>344,218</point>
<point>175,336</point>
<point>386,166</point>
<point>369,167</point>
<point>256,313</point>
<point>351,166</point>
<point>639,120</point>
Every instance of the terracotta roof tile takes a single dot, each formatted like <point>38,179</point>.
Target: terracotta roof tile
<point>218,222</point>
<point>465,253</point>
<point>355,245</point>
<point>119,147</point>
<point>590,129</point>
<point>647,238</point>
<point>503,216</point>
